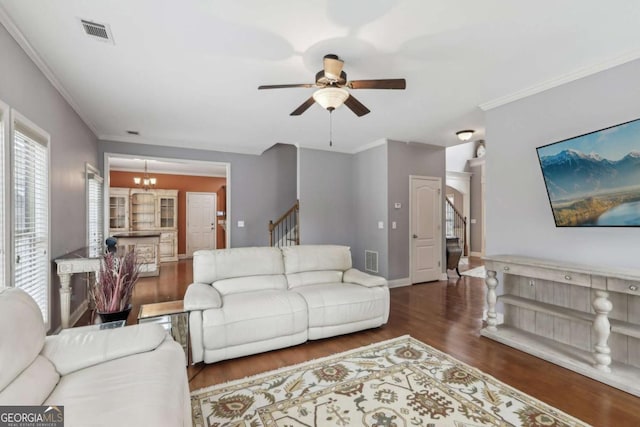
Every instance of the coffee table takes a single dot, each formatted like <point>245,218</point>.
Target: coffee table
<point>172,316</point>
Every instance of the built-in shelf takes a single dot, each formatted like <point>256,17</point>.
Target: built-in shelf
<point>622,376</point>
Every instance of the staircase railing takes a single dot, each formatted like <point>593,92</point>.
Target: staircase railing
<point>285,231</point>
<point>456,226</point>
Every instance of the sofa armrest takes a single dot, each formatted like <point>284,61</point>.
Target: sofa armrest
<point>71,351</point>
<point>200,296</point>
<point>356,276</point>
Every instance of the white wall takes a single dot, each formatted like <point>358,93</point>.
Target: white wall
<point>458,155</point>
<point>519,218</point>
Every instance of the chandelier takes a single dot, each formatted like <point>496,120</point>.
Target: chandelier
<point>146,182</point>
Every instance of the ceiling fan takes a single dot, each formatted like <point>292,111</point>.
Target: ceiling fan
<point>332,83</point>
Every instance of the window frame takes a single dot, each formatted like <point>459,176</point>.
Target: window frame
<point>92,173</point>
<point>5,194</point>
<point>45,139</point>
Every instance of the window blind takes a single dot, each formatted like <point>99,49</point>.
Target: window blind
<point>95,212</point>
<point>3,238</point>
<point>31,225</point>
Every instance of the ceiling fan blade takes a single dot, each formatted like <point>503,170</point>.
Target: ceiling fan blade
<point>332,66</point>
<point>286,86</point>
<point>356,106</point>
<point>303,107</point>
<point>378,84</point>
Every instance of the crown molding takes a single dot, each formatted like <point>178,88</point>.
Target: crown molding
<point>181,143</point>
<point>22,41</point>
<point>560,80</point>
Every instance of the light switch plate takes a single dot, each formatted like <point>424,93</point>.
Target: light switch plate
<point>397,205</point>
<point>240,224</point>
<point>393,225</point>
<point>380,225</point>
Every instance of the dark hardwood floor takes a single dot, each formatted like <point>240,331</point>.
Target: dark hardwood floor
<point>445,315</point>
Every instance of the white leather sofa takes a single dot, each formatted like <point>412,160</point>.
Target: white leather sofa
<point>132,376</point>
<point>250,300</point>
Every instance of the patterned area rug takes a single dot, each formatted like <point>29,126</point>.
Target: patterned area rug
<point>400,382</point>
<point>475,272</point>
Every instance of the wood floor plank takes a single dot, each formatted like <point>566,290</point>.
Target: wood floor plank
<point>445,315</point>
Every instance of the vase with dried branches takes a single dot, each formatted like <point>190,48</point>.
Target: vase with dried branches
<point>114,287</point>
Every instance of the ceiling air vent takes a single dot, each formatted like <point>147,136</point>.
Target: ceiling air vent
<point>97,31</point>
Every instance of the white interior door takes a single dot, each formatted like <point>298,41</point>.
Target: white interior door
<point>201,221</point>
<point>426,229</point>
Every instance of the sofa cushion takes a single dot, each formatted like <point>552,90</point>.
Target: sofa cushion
<point>342,303</point>
<point>212,265</point>
<point>251,283</point>
<point>316,258</point>
<point>22,332</point>
<point>146,389</point>
<point>253,316</point>
<point>307,278</point>
<point>32,386</point>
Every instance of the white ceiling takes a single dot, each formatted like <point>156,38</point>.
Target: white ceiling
<point>185,73</point>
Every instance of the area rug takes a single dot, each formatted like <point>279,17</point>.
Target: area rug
<point>475,272</point>
<point>395,383</point>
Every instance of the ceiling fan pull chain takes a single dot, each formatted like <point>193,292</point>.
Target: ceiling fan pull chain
<point>330,128</point>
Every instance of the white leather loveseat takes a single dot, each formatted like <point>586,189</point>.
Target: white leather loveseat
<point>132,376</point>
<point>250,300</point>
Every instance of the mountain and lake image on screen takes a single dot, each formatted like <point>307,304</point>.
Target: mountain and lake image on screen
<point>593,180</point>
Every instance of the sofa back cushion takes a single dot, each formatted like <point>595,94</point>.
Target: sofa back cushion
<point>21,333</point>
<point>251,283</point>
<point>315,264</point>
<point>33,385</point>
<point>212,265</point>
<point>316,258</point>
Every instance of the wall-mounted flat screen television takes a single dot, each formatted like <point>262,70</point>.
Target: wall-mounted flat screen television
<point>593,180</point>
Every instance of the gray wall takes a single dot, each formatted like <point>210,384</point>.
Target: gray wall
<point>519,219</point>
<point>262,187</point>
<point>326,199</point>
<point>370,178</point>
<point>404,160</point>
<point>28,91</point>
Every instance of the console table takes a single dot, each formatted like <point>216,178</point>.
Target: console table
<point>583,318</point>
<point>83,260</point>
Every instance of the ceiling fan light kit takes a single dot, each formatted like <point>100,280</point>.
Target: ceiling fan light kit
<point>331,97</point>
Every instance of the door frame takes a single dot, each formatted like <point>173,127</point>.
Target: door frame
<point>186,228</point>
<point>438,180</point>
<point>107,184</point>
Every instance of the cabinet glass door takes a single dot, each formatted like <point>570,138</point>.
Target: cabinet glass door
<point>167,212</point>
<point>117,212</point>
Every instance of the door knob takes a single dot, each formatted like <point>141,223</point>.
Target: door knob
<point>415,236</point>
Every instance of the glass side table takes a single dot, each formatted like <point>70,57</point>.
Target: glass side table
<point>172,316</point>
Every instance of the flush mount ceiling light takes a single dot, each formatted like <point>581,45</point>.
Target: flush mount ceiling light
<point>330,98</point>
<point>465,135</point>
<point>146,181</point>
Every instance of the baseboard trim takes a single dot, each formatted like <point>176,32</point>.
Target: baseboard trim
<point>444,276</point>
<point>476,254</point>
<point>398,283</point>
<point>184,256</point>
